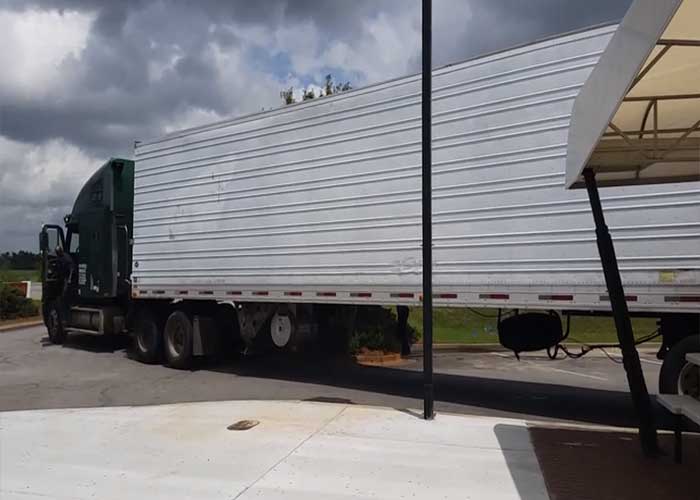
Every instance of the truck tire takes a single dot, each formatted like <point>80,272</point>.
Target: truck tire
<point>54,323</point>
<point>677,376</point>
<point>148,338</point>
<point>178,340</point>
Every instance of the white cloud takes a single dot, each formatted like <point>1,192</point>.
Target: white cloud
<point>50,173</point>
<point>383,50</point>
<point>191,117</point>
<point>34,44</point>
<point>38,184</point>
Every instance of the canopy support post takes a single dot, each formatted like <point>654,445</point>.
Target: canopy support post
<point>623,324</point>
<point>426,112</point>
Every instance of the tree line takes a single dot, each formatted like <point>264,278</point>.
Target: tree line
<point>19,260</point>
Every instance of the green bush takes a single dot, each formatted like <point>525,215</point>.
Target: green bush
<point>13,304</point>
<point>375,329</point>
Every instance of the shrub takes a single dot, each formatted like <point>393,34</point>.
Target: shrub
<point>375,329</point>
<point>13,304</point>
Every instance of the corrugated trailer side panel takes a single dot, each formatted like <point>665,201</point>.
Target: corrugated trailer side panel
<point>321,201</point>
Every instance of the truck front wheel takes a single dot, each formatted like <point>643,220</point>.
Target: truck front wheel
<point>178,340</point>
<point>148,338</point>
<point>677,376</point>
<point>54,323</point>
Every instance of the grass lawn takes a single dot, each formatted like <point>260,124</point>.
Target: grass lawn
<point>475,326</point>
<point>19,275</point>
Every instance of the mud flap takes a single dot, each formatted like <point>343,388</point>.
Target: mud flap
<point>204,336</point>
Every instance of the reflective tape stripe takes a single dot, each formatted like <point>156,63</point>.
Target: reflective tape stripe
<point>628,298</point>
<point>556,297</point>
<point>494,296</point>
<point>682,298</point>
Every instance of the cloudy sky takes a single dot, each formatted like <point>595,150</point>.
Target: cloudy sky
<point>83,79</point>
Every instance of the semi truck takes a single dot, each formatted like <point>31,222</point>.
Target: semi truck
<point>282,226</point>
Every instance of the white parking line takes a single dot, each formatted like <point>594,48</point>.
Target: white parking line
<point>550,368</point>
<point>595,377</point>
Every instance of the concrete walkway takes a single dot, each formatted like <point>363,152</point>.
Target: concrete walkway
<point>299,450</point>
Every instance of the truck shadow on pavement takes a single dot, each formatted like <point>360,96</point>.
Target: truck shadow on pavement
<point>512,397</point>
<point>92,343</point>
<point>479,394</point>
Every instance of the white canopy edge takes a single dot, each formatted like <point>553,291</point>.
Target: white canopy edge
<point>641,155</point>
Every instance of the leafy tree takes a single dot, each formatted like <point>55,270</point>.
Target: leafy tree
<point>330,87</point>
<point>308,95</point>
<point>287,95</point>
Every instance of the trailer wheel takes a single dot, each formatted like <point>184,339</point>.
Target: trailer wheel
<point>54,323</point>
<point>148,338</point>
<point>677,376</point>
<point>178,340</point>
<point>282,331</point>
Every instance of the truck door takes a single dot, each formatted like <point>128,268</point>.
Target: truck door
<point>98,259</point>
<point>51,236</point>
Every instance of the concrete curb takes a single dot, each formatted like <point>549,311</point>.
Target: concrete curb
<point>19,326</point>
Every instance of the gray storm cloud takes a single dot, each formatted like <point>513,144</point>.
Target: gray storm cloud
<point>83,79</point>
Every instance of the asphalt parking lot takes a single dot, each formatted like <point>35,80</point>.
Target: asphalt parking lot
<point>91,371</point>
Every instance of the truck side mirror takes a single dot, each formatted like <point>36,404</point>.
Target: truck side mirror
<point>43,241</point>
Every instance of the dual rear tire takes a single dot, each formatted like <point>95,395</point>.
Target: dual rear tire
<point>178,340</point>
<point>171,342</point>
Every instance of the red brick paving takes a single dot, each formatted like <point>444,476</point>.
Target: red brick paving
<point>602,465</point>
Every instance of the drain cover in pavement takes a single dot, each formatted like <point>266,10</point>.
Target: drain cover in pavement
<point>243,425</point>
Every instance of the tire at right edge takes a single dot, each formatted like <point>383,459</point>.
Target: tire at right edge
<point>673,364</point>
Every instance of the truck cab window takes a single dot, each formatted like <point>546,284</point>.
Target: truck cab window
<point>74,243</point>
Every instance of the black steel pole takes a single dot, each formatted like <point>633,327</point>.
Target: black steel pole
<point>428,398</point>
<point>623,324</point>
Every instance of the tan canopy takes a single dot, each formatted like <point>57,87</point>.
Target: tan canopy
<point>637,118</point>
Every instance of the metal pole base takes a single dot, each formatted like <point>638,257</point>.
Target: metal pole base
<point>428,409</point>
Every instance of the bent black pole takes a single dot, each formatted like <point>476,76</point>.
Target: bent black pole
<point>428,397</point>
<point>623,324</point>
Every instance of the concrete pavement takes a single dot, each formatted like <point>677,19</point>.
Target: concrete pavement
<point>299,450</point>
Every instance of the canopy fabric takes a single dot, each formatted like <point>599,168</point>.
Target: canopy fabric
<point>637,118</point>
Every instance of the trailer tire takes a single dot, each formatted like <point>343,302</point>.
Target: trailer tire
<point>54,323</point>
<point>677,376</point>
<point>148,338</point>
<point>178,336</point>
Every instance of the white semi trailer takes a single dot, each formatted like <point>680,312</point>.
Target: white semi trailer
<point>318,204</point>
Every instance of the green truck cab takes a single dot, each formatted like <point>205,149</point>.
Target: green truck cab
<point>86,268</point>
